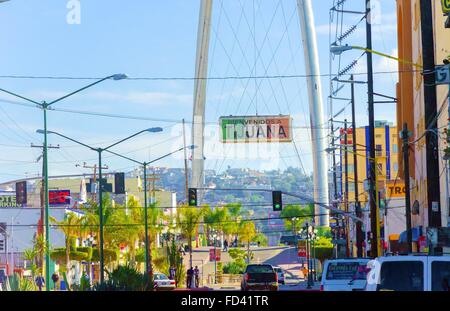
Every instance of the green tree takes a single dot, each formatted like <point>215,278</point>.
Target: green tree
<point>70,226</point>
<point>295,216</point>
<point>188,219</point>
<point>247,233</point>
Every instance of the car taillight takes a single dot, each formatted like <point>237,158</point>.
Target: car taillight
<point>276,277</point>
<point>172,282</point>
<point>247,277</point>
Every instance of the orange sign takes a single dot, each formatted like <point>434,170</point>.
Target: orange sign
<point>395,190</point>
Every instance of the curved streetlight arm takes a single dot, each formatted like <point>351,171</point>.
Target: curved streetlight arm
<point>82,89</point>
<point>124,157</point>
<point>125,139</point>
<point>166,155</point>
<point>68,138</point>
<point>21,97</point>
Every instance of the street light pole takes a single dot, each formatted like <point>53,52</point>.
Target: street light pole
<point>44,106</point>
<point>46,211</point>
<point>100,212</point>
<point>215,258</point>
<point>147,268</point>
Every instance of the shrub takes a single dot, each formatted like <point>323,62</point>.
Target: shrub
<point>124,278</point>
<point>87,250</point>
<point>109,255</point>
<point>59,255</point>
<point>235,267</point>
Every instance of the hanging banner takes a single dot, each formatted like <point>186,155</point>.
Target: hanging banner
<point>256,129</point>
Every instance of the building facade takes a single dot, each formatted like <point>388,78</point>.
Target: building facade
<point>386,151</point>
<point>422,38</point>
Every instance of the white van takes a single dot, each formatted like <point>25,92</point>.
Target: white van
<point>410,273</point>
<point>344,274</point>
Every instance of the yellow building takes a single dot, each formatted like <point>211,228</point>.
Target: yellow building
<point>386,151</point>
<point>416,44</point>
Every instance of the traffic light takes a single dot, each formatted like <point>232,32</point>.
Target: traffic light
<point>119,183</point>
<point>192,196</point>
<point>21,193</point>
<point>2,245</point>
<point>277,201</point>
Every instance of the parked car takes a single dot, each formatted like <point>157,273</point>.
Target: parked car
<point>259,277</point>
<point>344,275</point>
<point>162,282</point>
<point>280,274</point>
<point>411,273</point>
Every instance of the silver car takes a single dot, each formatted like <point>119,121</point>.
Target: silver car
<point>280,273</point>
<point>162,282</point>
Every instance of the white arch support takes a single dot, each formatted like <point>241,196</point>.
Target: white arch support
<point>318,133</point>
<point>201,73</point>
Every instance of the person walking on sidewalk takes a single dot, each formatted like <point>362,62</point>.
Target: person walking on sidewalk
<point>189,278</point>
<point>196,274</point>
<point>40,282</point>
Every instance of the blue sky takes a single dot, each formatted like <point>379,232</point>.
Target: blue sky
<point>158,39</point>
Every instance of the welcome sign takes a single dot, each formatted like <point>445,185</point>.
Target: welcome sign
<point>256,129</point>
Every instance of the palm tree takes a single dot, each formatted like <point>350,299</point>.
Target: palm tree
<point>30,255</point>
<point>70,226</point>
<point>187,221</point>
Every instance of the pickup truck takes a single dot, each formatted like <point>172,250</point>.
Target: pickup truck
<point>259,277</point>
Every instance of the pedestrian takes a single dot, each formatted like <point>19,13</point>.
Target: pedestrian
<point>55,279</point>
<point>225,245</point>
<point>172,273</point>
<point>189,276</point>
<point>196,274</point>
<point>40,282</point>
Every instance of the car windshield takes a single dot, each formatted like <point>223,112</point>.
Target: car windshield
<point>401,276</point>
<point>346,271</point>
<point>259,269</point>
<point>160,277</point>
<point>440,276</point>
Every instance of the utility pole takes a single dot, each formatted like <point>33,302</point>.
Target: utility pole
<point>347,226</point>
<point>94,180</point>
<point>359,233</point>
<point>430,110</point>
<point>405,137</point>
<point>334,161</point>
<point>374,228</point>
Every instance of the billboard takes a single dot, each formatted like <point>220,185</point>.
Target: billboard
<point>59,197</point>
<point>256,129</point>
<point>9,201</point>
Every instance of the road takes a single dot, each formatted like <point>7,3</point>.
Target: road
<point>282,256</point>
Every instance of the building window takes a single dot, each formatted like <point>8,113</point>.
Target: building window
<point>380,169</point>
<point>395,167</point>
<point>351,168</point>
<point>379,150</point>
<point>351,186</point>
<point>395,148</point>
